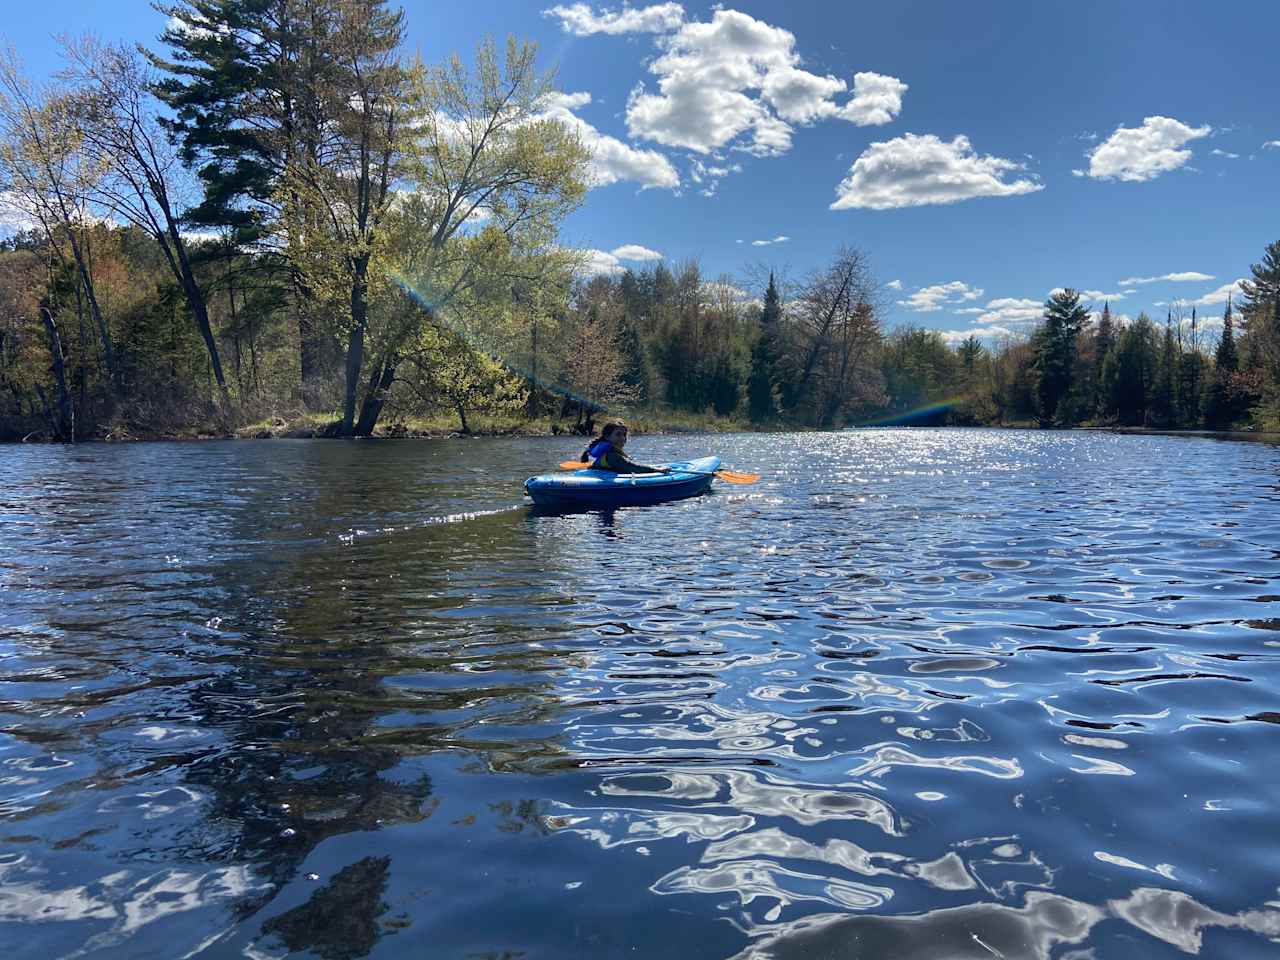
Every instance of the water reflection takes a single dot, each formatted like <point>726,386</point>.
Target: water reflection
<point>921,694</point>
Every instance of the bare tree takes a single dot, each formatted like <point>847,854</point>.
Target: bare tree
<point>143,172</point>
<point>831,313</point>
<point>47,175</point>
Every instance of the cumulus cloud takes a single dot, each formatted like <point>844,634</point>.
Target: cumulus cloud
<point>914,170</point>
<point>1188,275</point>
<point>1099,295</point>
<point>1220,295</point>
<point>929,299</point>
<point>877,99</point>
<point>1270,144</point>
<point>580,20</point>
<point>736,82</point>
<point>989,332</point>
<point>609,264</point>
<point>611,159</point>
<point>1136,154</point>
<point>894,284</point>
<point>1223,153</point>
<point>633,251</point>
<point>764,243</point>
<point>1006,310</point>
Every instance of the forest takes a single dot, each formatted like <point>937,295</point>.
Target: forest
<point>278,224</point>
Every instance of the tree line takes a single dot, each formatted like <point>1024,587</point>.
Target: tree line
<point>276,214</point>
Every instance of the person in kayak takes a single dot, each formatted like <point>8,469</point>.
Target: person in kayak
<point>605,452</point>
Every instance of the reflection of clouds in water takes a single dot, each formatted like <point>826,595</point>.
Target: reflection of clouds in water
<point>984,930</point>
<point>889,755</point>
<point>974,932</point>
<point>750,879</point>
<point>706,727</point>
<point>152,804</point>
<point>1174,917</point>
<point>129,902</point>
<point>618,827</point>
<point>947,872</point>
<point>763,795</point>
<point>870,690</point>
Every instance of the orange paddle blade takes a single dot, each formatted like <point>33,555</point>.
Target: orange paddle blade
<point>574,465</point>
<point>731,476</point>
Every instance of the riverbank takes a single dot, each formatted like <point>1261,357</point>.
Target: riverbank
<point>308,426</point>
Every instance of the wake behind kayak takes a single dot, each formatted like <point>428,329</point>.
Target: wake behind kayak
<point>601,489</point>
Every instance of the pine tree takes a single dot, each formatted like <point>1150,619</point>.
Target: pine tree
<point>1227,359</point>
<point>1223,405</point>
<point>1164,397</point>
<point>1257,295</point>
<point>1054,350</point>
<point>1104,339</point>
<point>762,398</point>
<point>245,82</point>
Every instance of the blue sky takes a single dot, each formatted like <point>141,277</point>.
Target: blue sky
<point>981,154</point>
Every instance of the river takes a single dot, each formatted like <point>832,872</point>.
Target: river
<point>920,694</point>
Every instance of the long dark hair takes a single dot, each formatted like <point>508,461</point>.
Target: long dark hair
<point>607,429</point>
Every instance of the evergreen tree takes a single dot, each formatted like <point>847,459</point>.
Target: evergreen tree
<point>1258,294</point>
<point>245,85</point>
<point>1054,350</point>
<point>1130,371</point>
<point>1224,403</point>
<point>1227,359</point>
<point>1104,338</point>
<point>762,392</point>
<point>1164,398</point>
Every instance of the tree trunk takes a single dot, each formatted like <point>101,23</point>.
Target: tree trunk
<point>375,397</point>
<point>108,352</point>
<point>355,346</point>
<point>64,421</point>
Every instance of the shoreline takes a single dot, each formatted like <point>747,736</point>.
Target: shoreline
<point>296,431</point>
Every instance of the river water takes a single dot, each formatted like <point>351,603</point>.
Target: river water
<point>916,694</point>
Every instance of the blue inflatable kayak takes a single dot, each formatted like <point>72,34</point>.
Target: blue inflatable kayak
<point>600,489</point>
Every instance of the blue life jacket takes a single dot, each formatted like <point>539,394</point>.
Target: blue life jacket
<point>597,452</point>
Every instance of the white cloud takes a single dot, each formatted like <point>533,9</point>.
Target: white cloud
<point>709,175</point>
<point>736,82</point>
<point>633,251</point>
<point>877,99</point>
<point>611,159</point>
<point>991,331</point>
<point>765,243</point>
<point>1223,153</point>
<point>914,170</point>
<point>1142,153</point>
<point>800,96</point>
<point>1189,275</point>
<point>929,299</point>
<point>14,217</point>
<point>1220,295</point>
<point>1099,295</point>
<point>1271,143</point>
<point>1006,310</point>
<point>599,263</point>
<point>581,21</point>
<point>608,263</point>
<point>894,284</point>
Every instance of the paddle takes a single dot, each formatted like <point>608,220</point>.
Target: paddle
<point>728,476</point>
